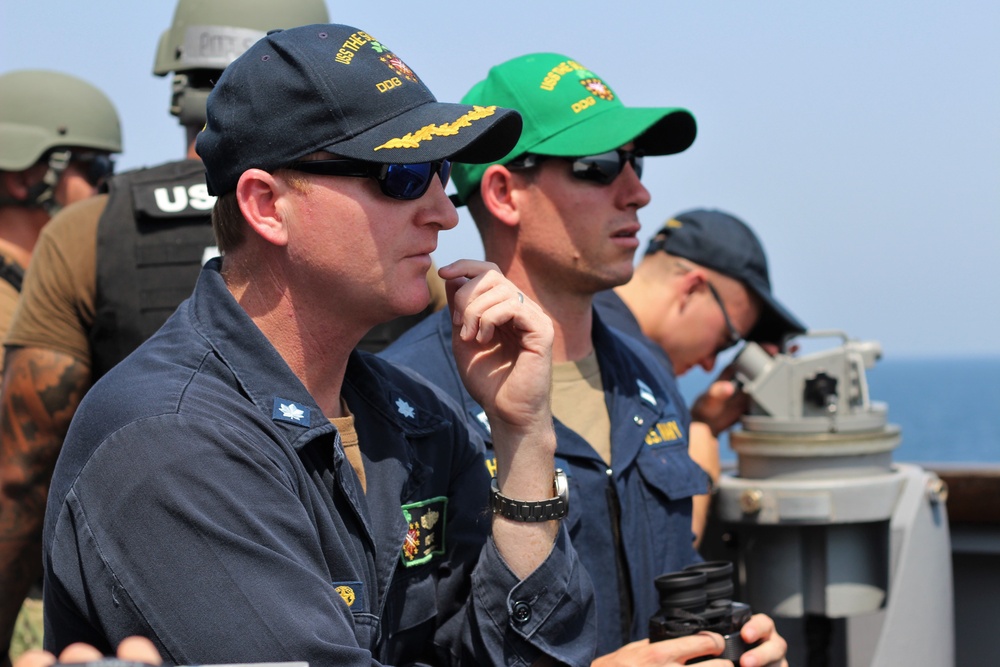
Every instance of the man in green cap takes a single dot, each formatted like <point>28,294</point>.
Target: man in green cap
<point>558,215</point>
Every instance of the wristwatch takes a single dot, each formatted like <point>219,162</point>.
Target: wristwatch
<point>532,510</point>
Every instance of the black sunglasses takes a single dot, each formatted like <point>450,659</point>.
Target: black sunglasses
<point>734,335</point>
<point>603,168</point>
<point>399,181</point>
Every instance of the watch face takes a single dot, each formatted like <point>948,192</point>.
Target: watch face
<point>562,486</point>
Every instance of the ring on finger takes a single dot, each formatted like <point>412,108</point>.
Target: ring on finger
<point>520,298</point>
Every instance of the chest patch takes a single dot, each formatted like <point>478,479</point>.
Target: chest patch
<point>425,521</point>
<point>352,593</point>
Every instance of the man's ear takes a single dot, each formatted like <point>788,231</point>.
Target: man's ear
<point>497,191</point>
<point>691,282</point>
<point>259,194</point>
<point>17,183</point>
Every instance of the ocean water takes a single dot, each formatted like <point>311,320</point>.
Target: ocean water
<point>948,408</point>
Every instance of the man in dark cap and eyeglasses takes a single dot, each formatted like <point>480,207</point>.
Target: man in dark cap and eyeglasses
<point>702,286</point>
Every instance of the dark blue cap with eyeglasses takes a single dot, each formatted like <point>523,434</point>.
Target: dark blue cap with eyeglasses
<point>724,243</point>
<point>336,88</point>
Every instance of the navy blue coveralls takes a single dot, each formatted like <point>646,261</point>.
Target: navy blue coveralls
<point>617,315</point>
<point>630,521</point>
<point>203,500</point>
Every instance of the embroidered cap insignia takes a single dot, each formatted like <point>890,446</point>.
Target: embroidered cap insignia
<point>396,64</point>
<point>428,132</point>
<point>597,88</point>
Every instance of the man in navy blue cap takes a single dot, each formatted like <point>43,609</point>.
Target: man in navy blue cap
<point>702,286</point>
<point>246,486</point>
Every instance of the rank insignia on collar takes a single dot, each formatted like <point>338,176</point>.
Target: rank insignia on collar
<point>289,411</point>
<point>484,421</point>
<point>351,592</point>
<point>425,521</point>
<point>405,408</point>
<point>645,393</point>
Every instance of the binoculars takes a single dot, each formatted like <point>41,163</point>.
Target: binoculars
<point>699,598</point>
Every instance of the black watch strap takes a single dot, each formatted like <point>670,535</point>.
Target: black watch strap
<point>532,510</point>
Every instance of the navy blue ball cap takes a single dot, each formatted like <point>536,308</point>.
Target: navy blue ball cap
<point>724,243</point>
<point>336,88</point>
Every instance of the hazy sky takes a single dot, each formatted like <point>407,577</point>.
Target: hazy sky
<point>860,139</point>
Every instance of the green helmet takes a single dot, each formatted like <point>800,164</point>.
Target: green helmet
<point>207,35</point>
<point>42,110</point>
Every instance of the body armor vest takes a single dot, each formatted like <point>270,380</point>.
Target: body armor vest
<point>152,240</point>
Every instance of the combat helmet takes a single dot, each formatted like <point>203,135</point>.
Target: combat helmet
<point>42,110</point>
<point>207,35</point>
<point>50,116</point>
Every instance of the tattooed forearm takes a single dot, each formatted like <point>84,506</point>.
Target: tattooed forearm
<point>41,391</point>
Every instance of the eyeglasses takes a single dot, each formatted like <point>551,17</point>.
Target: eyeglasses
<point>95,167</point>
<point>734,335</point>
<point>603,168</point>
<point>399,181</point>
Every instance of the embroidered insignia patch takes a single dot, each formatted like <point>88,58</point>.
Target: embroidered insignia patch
<point>425,522</point>
<point>351,592</point>
<point>428,132</point>
<point>598,88</point>
<point>664,432</point>
<point>645,393</point>
<point>288,411</point>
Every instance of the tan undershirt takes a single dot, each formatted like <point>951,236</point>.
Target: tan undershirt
<point>578,402</point>
<point>349,441</point>
<point>56,308</point>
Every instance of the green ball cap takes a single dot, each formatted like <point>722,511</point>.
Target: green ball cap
<point>570,111</point>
